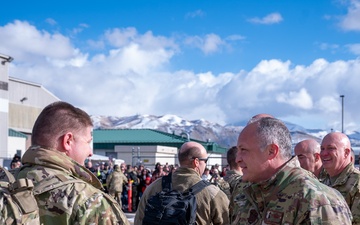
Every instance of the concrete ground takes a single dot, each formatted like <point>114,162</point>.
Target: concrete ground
<point>130,217</point>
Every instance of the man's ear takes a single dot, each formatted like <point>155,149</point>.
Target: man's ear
<point>317,157</point>
<point>273,150</point>
<point>347,152</point>
<point>67,141</point>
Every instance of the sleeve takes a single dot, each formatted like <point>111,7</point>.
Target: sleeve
<point>100,210</point>
<point>355,207</point>
<point>220,209</point>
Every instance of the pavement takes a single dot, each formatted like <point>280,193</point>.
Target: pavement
<point>130,217</point>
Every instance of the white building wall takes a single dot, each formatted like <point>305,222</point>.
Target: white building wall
<point>4,106</point>
<point>16,143</point>
<point>147,155</point>
<point>26,101</point>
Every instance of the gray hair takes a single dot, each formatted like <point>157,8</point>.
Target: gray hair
<point>273,131</point>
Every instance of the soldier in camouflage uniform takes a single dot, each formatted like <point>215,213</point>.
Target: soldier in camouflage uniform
<point>66,192</point>
<point>233,176</point>
<point>308,153</point>
<point>342,175</point>
<point>235,173</point>
<point>279,191</point>
<point>218,181</point>
<point>115,182</point>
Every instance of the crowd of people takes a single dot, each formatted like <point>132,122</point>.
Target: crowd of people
<point>264,182</point>
<point>135,179</point>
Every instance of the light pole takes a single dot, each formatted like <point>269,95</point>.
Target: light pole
<point>342,113</point>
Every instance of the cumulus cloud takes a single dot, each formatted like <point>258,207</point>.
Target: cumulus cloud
<point>300,99</point>
<point>272,18</point>
<point>350,22</point>
<point>131,76</point>
<point>354,48</point>
<point>208,44</point>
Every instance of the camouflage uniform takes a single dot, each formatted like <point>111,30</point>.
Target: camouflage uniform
<point>222,184</point>
<point>212,203</point>
<point>66,192</point>
<point>115,182</point>
<point>348,184</point>
<point>232,177</point>
<point>290,197</point>
<point>322,175</point>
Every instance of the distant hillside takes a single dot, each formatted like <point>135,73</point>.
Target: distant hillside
<point>226,136</point>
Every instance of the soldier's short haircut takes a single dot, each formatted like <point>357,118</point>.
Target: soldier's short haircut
<point>185,155</point>
<point>231,156</point>
<point>55,120</point>
<point>273,131</point>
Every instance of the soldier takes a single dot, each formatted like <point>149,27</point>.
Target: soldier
<point>212,203</point>
<point>342,175</point>
<point>115,182</point>
<point>218,181</point>
<point>235,172</point>
<point>280,192</point>
<point>308,153</point>
<point>66,192</point>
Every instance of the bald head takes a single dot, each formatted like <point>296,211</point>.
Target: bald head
<point>339,139</point>
<point>259,116</point>
<point>193,155</point>
<point>308,153</point>
<point>190,150</point>
<point>335,152</point>
<point>307,146</point>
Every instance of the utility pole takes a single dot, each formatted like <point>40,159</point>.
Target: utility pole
<point>342,113</point>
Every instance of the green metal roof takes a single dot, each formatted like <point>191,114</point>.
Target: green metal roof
<point>14,133</point>
<point>107,139</point>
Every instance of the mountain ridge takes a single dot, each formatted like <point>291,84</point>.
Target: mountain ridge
<point>224,135</point>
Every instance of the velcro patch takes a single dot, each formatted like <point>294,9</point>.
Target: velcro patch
<point>273,217</point>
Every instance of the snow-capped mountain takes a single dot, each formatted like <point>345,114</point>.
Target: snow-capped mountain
<point>226,136</point>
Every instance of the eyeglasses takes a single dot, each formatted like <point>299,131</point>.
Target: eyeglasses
<point>201,159</point>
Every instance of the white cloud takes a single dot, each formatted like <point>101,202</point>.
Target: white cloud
<point>24,41</point>
<point>351,21</point>
<point>268,19</point>
<point>354,48</point>
<point>235,37</point>
<point>209,44</point>
<point>300,99</point>
<point>132,76</point>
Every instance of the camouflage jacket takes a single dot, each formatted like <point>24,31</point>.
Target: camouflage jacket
<point>348,184</point>
<point>232,177</point>
<point>115,181</point>
<point>212,204</point>
<point>67,192</point>
<point>322,175</point>
<point>290,197</point>
<point>222,184</point>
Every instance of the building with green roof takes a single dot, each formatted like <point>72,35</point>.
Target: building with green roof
<point>147,146</point>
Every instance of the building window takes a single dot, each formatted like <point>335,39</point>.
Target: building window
<point>4,85</point>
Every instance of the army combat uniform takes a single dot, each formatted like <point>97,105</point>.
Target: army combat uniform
<point>291,196</point>
<point>348,184</point>
<point>115,183</point>
<point>66,192</point>
<point>211,203</point>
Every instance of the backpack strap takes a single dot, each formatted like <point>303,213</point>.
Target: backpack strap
<point>166,182</point>
<point>196,188</point>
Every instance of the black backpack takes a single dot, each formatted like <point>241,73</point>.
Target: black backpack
<point>172,207</point>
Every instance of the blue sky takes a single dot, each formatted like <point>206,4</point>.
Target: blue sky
<point>223,61</point>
